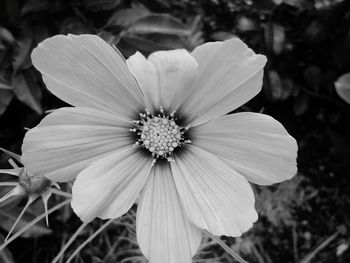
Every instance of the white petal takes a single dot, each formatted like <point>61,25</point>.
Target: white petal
<point>256,145</point>
<point>146,77</point>
<point>164,78</point>
<point>69,139</point>
<point>109,187</point>
<point>214,196</point>
<point>229,75</point>
<point>85,71</point>
<point>164,233</point>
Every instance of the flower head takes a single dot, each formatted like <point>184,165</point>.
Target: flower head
<point>156,129</point>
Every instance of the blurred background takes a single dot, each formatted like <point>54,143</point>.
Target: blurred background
<point>306,87</point>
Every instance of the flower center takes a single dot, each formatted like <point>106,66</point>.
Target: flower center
<point>159,134</point>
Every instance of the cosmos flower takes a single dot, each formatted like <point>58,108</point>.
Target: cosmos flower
<point>156,130</point>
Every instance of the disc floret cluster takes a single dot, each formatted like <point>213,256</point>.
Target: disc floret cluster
<point>159,134</point>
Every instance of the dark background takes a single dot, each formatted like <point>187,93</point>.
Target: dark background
<point>308,47</point>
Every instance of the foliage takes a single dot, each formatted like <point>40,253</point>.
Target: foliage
<point>306,87</point>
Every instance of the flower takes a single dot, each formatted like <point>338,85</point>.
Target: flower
<point>156,129</point>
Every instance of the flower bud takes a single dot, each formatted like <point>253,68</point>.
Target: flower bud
<point>33,185</point>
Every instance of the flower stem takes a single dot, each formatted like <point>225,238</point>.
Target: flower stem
<point>225,247</point>
<point>33,222</point>
<point>69,242</point>
<point>98,231</point>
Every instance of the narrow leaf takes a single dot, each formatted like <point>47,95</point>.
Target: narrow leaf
<point>6,35</point>
<point>152,42</point>
<point>98,5</point>
<point>28,94</point>
<point>126,17</point>
<point>23,48</point>
<point>5,99</point>
<point>159,23</point>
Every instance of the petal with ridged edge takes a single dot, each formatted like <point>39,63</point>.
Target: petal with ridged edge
<point>164,77</point>
<point>69,139</point>
<point>214,196</point>
<point>164,233</point>
<point>229,75</point>
<point>110,186</point>
<point>87,72</point>
<point>255,145</point>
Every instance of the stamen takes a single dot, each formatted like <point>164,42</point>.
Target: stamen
<point>159,134</point>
